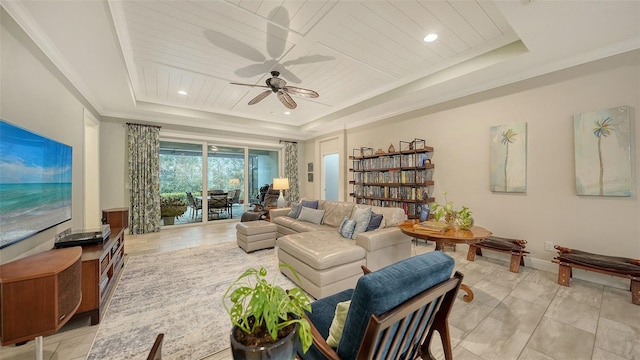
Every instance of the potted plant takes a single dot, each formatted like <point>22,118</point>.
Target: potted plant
<point>451,216</point>
<point>446,211</point>
<point>267,320</point>
<point>464,219</point>
<point>170,208</point>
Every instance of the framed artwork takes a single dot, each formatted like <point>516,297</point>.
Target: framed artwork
<point>509,158</point>
<point>310,177</point>
<point>310,167</point>
<point>602,141</point>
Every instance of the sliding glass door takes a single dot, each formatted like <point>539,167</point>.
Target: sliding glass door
<point>232,180</point>
<point>180,182</point>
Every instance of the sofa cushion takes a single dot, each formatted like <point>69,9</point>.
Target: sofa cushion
<point>337,324</point>
<point>374,223</point>
<point>311,215</point>
<point>392,216</point>
<point>303,226</point>
<point>347,227</point>
<point>362,216</point>
<point>313,204</point>
<point>321,249</point>
<point>295,211</point>
<point>336,211</point>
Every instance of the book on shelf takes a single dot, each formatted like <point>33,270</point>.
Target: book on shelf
<point>431,226</point>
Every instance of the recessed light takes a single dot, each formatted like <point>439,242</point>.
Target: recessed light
<point>287,112</point>
<point>431,37</point>
<point>182,92</point>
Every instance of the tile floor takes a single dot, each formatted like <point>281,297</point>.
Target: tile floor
<point>525,316</point>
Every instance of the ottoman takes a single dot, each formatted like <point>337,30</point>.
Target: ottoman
<point>325,263</point>
<point>256,235</point>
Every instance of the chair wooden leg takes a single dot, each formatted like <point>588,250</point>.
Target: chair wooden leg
<point>635,292</point>
<point>514,266</point>
<point>564,275</point>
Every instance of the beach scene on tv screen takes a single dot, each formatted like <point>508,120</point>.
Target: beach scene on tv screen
<point>35,183</point>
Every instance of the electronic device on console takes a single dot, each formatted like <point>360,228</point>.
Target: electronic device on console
<point>81,237</point>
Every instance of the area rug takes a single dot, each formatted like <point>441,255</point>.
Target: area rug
<point>177,293</point>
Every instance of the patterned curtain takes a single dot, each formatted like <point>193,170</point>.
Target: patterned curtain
<point>291,172</point>
<point>144,178</point>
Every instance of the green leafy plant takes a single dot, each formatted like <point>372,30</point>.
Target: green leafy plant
<point>258,304</point>
<point>464,219</point>
<point>172,207</point>
<point>443,211</point>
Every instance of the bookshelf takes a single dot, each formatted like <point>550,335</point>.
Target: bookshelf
<point>401,178</point>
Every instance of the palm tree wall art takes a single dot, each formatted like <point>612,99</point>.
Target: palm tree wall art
<point>603,152</point>
<point>509,158</point>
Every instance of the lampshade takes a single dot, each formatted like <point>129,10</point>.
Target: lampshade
<point>280,183</point>
<point>234,181</point>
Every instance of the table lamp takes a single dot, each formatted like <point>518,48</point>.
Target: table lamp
<point>281,184</point>
<point>235,183</point>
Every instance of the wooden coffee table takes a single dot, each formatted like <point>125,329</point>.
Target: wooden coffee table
<point>451,236</point>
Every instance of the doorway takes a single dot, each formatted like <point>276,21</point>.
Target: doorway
<point>330,166</point>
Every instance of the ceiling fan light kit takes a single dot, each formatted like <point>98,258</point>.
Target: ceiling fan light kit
<point>279,86</point>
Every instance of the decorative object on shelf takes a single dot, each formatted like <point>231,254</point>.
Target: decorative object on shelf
<point>171,207</point>
<point>281,184</point>
<point>260,322</point>
<point>509,158</point>
<point>379,152</point>
<point>391,149</point>
<point>603,155</point>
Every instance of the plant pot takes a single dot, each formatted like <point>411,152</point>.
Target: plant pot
<point>168,220</point>
<point>284,348</point>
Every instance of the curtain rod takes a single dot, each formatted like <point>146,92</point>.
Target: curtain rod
<point>287,141</point>
<point>155,126</point>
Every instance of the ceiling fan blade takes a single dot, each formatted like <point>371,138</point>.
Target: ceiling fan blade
<point>252,85</point>
<point>234,46</point>
<point>286,100</point>
<point>260,96</point>
<point>305,93</point>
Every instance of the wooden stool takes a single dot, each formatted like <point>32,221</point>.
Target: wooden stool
<point>504,245</point>
<point>610,265</point>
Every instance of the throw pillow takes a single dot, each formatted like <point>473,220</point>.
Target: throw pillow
<point>313,204</point>
<point>337,325</point>
<point>295,211</point>
<point>347,227</point>
<point>311,215</point>
<point>374,223</point>
<point>361,216</point>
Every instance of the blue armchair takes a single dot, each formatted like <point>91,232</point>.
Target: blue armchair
<point>393,313</point>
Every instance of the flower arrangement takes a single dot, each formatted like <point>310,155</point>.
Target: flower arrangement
<point>451,216</point>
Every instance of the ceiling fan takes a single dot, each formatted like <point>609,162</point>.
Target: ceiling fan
<point>279,86</point>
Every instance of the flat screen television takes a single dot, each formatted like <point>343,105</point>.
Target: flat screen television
<point>35,183</point>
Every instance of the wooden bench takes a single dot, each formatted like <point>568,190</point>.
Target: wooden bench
<point>622,267</point>
<point>514,247</point>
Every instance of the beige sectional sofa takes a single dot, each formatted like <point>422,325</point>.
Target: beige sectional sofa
<point>325,261</point>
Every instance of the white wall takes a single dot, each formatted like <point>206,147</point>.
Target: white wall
<point>550,210</point>
<point>36,96</point>
<point>114,192</point>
